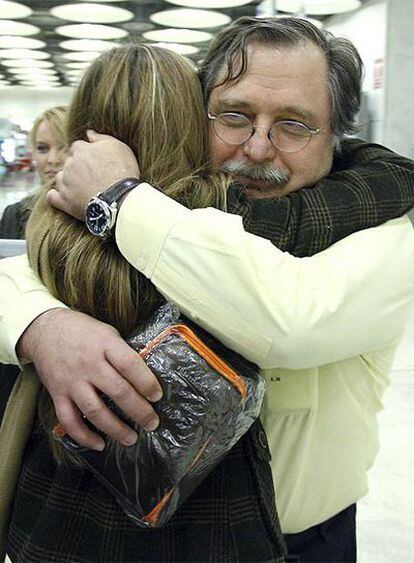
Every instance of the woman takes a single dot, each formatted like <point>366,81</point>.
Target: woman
<point>151,99</point>
<point>47,139</point>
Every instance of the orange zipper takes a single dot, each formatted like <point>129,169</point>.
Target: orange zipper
<point>216,363</point>
<point>204,351</point>
<point>153,516</point>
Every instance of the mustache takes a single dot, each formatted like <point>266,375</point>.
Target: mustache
<point>263,172</point>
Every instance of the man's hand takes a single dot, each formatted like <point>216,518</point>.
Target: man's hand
<point>89,169</point>
<point>77,359</point>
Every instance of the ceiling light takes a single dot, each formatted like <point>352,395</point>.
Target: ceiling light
<point>23,54</point>
<point>77,65</point>
<point>16,63</point>
<point>174,35</point>
<point>209,3</point>
<point>138,27</point>
<point>29,70</point>
<point>40,78</point>
<point>91,13</point>
<point>81,56</point>
<point>87,45</point>
<point>34,72</point>
<point>178,48</point>
<point>197,19</point>
<point>39,86</point>
<point>91,31</point>
<point>8,27</point>
<point>34,75</point>
<point>13,42</point>
<point>103,1</point>
<point>318,7</point>
<point>14,10</point>
<point>4,83</point>
<point>40,83</point>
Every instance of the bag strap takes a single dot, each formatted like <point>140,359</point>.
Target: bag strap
<point>14,433</point>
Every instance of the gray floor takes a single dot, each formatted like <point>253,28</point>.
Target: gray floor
<point>386,514</point>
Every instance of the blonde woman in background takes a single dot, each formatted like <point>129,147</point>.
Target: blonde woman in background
<point>47,139</point>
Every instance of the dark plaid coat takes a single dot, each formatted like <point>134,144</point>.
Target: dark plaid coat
<point>63,514</point>
<point>368,185</point>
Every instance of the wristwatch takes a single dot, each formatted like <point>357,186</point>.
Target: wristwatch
<point>101,210</point>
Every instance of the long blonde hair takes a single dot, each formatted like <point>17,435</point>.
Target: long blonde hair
<point>56,118</point>
<point>150,99</point>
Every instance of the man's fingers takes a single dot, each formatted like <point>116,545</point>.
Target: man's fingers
<point>96,411</point>
<point>59,179</point>
<point>54,198</point>
<point>74,425</point>
<point>94,136</point>
<point>133,368</point>
<point>59,197</point>
<point>77,145</point>
<point>129,400</point>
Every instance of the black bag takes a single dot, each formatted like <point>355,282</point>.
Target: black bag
<point>211,397</point>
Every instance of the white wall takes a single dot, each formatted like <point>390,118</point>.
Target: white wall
<point>367,29</point>
<point>22,105</point>
<point>399,102</point>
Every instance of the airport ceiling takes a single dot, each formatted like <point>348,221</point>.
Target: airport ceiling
<point>48,43</point>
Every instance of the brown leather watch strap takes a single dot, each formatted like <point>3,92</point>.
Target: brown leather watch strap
<point>118,190</point>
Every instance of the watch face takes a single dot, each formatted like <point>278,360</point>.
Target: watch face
<point>97,218</point>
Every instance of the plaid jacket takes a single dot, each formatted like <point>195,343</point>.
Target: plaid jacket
<point>368,185</point>
<point>63,514</point>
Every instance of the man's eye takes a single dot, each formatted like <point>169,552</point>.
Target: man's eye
<point>293,128</point>
<point>234,120</point>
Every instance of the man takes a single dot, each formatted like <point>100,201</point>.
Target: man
<point>308,322</point>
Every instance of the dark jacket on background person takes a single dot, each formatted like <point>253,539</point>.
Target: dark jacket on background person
<point>14,218</point>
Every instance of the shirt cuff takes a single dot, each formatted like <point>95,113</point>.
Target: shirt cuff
<point>144,221</point>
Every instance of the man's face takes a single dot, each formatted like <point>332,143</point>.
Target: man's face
<point>280,84</point>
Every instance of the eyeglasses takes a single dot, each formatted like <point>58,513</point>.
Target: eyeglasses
<point>286,135</point>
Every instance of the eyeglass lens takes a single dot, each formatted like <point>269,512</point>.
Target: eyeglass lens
<point>287,136</point>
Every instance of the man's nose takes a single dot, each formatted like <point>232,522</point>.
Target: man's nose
<point>259,147</point>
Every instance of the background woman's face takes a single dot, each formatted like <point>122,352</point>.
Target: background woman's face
<point>48,152</point>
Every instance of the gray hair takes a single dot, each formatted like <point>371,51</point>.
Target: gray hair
<point>345,68</point>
